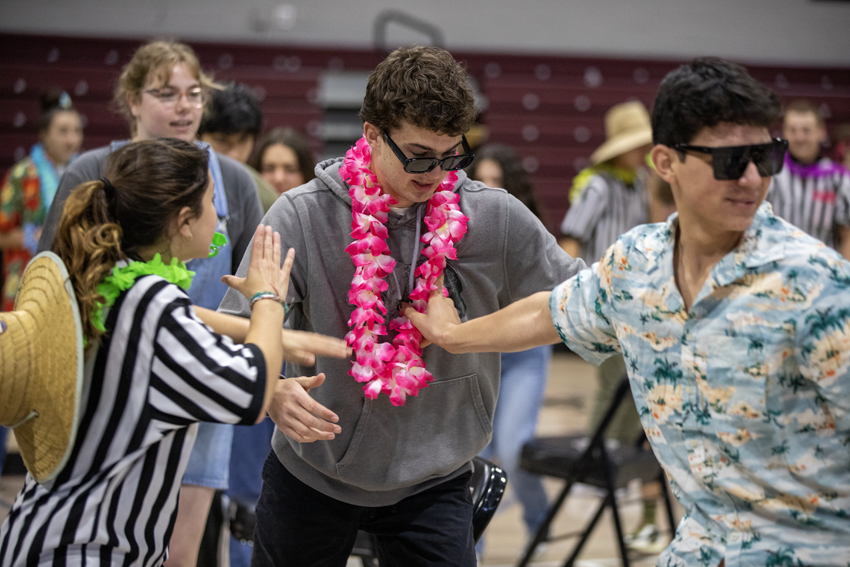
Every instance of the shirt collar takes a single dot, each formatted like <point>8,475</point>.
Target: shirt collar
<point>760,245</point>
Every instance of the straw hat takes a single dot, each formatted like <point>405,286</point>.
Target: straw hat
<point>627,127</point>
<point>41,367</point>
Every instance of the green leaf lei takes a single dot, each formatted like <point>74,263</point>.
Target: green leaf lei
<point>123,278</point>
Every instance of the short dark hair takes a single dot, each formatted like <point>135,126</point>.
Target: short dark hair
<point>422,85</point>
<point>292,140</point>
<point>53,101</point>
<point>802,106</point>
<point>232,110</point>
<point>704,94</point>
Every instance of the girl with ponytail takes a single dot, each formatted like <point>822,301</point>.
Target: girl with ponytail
<point>153,368</point>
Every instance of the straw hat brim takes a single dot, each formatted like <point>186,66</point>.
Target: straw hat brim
<point>621,144</point>
<point>48,368</point>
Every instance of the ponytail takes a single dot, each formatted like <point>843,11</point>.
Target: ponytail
<point>89,242</point>
<point>132,207</point>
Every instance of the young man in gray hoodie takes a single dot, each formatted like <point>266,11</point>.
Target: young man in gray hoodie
<point>342,462</point>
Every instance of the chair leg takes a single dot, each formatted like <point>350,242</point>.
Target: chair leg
<point>588,529</point>
<point>668,504</point>
<point>615,513</point>
<point>541,536</point>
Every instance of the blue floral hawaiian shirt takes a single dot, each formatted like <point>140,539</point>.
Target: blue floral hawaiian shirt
<point>745,398</point>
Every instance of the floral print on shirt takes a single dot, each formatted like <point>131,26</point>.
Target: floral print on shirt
<point>745,397</point>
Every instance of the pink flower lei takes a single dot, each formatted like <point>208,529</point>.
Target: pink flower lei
<point>396,368</point>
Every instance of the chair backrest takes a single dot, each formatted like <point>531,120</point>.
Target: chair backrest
<point>590,455</point>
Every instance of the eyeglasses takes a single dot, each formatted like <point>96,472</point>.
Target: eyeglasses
<point>424,165</point>
<point>194,97</point>
<point>730,162</point>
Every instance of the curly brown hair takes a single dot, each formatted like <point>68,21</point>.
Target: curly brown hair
<point>422,85</point>
<point>155,60</point>
<point>152,180</point>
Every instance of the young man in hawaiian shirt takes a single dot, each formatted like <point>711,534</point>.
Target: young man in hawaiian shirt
<point>735,327</point>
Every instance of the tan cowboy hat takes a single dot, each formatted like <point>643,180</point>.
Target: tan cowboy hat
<point>627,127</point>
<point>41,367</point>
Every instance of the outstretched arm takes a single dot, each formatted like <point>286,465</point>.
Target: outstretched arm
<point>298,346</point>
<point>519,326</point>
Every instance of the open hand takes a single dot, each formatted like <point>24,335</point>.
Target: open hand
<point>265,272</point>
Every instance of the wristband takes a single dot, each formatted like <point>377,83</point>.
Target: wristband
<point>265,295</point>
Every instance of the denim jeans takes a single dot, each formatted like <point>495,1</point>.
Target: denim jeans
<point>209,462</point>
<point>251,446</point>
<point>297,525</point>
<point>521,392</point>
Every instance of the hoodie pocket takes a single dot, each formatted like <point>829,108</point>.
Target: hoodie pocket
<point>431,436</point>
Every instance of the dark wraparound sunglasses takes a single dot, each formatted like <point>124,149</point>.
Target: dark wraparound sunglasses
<point>424,165</point>
<point>730,162</point>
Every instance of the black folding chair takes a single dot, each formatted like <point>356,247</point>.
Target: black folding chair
<point>590,460</point>
<point>487,486</point>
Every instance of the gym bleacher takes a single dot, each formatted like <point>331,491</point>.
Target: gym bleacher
<point>550,108</point>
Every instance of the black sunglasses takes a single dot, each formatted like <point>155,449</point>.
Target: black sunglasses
<point>424,165</point>
<point>730,162</point>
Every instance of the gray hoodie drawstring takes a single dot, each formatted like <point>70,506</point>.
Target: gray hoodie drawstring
<point>415,249</point>
<point>415,256</point>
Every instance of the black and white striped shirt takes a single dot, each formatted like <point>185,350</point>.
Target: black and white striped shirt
<point>159,371</point>
<point>814,197</point>
<point>606,209</point>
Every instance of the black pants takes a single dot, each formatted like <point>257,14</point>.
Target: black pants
<point>297,525</point>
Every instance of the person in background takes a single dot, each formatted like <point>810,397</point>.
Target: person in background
<point>607,200</point>
<point>812,192</point>
<point>609,197</point>
<point>841,141</point>
<point>284,159</point>
<point>30,185</point>
<point>231,125</point>
<point>153,366</point>
<point>524,374</point>
<point>162,92</point>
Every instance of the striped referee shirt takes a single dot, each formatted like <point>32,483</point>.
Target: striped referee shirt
<point>814,197</point>
<point>605,209</point>
<point>159,371</point>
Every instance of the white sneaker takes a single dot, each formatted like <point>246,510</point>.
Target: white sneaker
<point>646,540</point>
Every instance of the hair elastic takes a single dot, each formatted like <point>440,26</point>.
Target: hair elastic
<point>108,188</point>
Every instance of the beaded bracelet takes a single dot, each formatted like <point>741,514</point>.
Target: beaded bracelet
<point>267,295</point>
